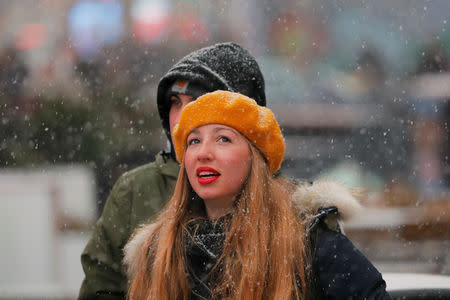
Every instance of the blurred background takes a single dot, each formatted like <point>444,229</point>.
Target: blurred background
<point>360,88</point>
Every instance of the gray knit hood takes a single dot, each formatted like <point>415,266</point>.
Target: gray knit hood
<point>224,66</point>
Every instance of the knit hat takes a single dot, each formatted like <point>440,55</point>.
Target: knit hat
<point>224,66</point>
<point>256,123</point>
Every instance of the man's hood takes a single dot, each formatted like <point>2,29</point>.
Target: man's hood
<point>223,66</point>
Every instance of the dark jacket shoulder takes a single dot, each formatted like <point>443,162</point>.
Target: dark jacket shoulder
<point>339,269</point>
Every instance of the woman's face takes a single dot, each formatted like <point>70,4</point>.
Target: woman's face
<point>217,162</point>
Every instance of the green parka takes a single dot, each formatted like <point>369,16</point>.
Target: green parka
<point>135,199</point>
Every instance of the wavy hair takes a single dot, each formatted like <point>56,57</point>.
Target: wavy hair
<point>264,255</point>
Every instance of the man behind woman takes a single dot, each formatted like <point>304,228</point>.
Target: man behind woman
<point>138,195</point>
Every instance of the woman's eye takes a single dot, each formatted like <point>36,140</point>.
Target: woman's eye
<point>193,141</point>
<point>224,139</point>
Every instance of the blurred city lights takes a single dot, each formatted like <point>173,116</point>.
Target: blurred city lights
<point>193,29</point>
<point>150,20</point>
<point>94,24</point>
<point>31,36</point>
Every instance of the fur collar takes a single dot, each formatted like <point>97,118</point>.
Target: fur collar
<point>135,246</point>
<point>307,197</point>
<point>310,197</point>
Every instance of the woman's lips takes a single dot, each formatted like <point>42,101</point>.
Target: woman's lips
<point>207,180</point>
<point>207,175</point>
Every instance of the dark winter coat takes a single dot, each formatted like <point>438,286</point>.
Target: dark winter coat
<point>340,271</point>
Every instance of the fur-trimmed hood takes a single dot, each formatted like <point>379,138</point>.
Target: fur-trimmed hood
<point>309,198</point>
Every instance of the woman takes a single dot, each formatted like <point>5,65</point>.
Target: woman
<point>234,231</point>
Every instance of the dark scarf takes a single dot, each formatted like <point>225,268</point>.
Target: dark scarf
<point>204,246</point>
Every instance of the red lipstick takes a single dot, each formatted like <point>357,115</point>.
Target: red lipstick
<point>207,175</point>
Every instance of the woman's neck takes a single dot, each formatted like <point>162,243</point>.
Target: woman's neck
<point>215,212</point>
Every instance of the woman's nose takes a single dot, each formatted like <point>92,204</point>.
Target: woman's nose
<point>205,152</point>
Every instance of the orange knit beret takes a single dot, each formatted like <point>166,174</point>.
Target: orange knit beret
<point>256,123</point>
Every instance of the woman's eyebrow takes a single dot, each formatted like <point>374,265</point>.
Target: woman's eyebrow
<point>217,129</point>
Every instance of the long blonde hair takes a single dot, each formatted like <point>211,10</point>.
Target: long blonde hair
<point>264,251</point>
